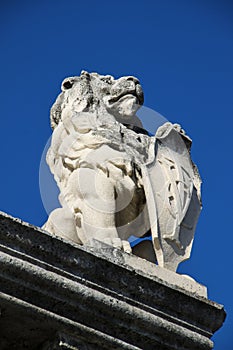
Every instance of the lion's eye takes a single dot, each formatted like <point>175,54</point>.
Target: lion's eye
<point>107,79</point>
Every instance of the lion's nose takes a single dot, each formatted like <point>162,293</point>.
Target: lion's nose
<point>123,85</point>
<point>138,88</point>
<point>128,81</point>
<point>131,78</point>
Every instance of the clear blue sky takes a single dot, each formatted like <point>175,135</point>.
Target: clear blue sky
<point>182,52</point>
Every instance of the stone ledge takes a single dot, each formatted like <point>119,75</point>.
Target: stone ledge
<point>148,269</point>
<point>52,287</point>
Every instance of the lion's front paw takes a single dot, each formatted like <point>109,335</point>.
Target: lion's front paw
<point>119,244</point>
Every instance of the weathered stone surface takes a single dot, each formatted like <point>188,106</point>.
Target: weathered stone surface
<point>58,295</point>
<point>114,179</point>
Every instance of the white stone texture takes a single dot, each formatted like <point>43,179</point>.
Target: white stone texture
<point>116,181</point>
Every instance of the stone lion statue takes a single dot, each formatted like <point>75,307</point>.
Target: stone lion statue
<point>114,179</point>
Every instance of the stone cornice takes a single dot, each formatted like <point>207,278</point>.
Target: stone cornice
<point>53,289</point>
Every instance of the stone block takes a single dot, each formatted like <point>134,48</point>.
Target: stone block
<point>59,295</point>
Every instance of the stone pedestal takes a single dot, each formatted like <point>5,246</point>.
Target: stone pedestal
<point>58,295</point>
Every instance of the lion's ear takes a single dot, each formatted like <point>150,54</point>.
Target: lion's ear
<point>55,111</point>
<point>67,83</point>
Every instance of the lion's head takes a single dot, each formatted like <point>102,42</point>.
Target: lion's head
<point>91,92</point>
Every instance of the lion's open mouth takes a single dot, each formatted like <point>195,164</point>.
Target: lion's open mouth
<point>137,92</point>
